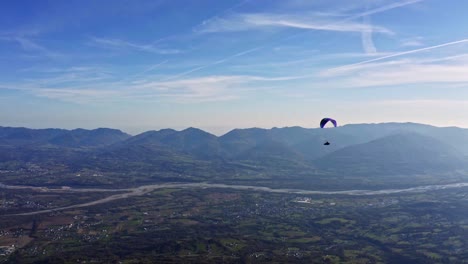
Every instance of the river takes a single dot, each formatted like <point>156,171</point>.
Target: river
<point>138,191</point>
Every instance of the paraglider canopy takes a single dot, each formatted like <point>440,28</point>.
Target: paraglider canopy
<point>326,120</point>
<point>323,122</point>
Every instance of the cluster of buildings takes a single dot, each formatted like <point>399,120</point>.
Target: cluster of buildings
<point>7,250</point>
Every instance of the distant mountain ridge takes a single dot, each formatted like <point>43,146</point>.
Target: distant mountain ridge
<point>387,148</point>
<point>61,137</point>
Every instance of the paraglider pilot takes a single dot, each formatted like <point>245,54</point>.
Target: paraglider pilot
<point>323,122</point>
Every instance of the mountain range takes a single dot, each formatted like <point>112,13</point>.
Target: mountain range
<point>358,149</point>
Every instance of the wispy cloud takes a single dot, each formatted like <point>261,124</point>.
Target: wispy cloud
<point>80,96</point>
<point>75,75</point>
<point>70,78</point>
<point>412,42</point>
<point>411,74</point>
<point>54,70</point>
<point>219,15</point>
<point>302,20</point>
<point>310,21</point>
<point>78,84</point>
<point>441,73</point>
<point>122,45</point>
<point>191,90</point>
<point>385,8</point>
<point>212,87</point>
<point>247,21</point>
<point>29,45</point>
<point>79,93</point>
<point>394,55</point>
<point>212,64</point>
<point>207,88</point>
<point>366,38</point>
<point>145,72</point>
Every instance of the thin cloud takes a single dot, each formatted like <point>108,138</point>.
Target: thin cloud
<point>71,75</point>
<point>367,13</point>
<point>153,67</point>
<point>220,14</point>
<point>56,70</point>
<point>398,54</point>
<point>212,64</point>
<point>385,8</point>
<point>78,96</point>
<point>312,21</point>
<point>427,102</point>
<point>205,89</point>
<point>306,66</point>
<point>413,74</point>
<point>243,22</point>
<point>200,89</point>
<point>412,42</point>
<point>366,38</point>
<point>121,44</point>
<point>361,29</point>
<point>214,80</point>
<point>443,72</point>
<point>29,45</point>
<point>193,90</point>
<point>72,93</point>
<point>146,71</point>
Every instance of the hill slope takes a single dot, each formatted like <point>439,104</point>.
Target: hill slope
<point>403,153</point>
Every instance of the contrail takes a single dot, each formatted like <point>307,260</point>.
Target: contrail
<point>222,13</point>
<point>370,12</point>
<point>399,54</point>
<point>151,68</point>
<point>366,38</point>
<point>383,9</point>
<point>213,63</point>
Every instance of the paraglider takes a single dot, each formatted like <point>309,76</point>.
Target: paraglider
<point>323,122</point>
<point>326,120</point>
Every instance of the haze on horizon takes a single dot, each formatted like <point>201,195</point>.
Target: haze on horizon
<point>219,65</point>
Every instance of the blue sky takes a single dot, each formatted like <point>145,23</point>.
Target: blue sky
<point>140,65</point>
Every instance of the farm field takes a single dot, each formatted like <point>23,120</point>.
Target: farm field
<point>224,225</point>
